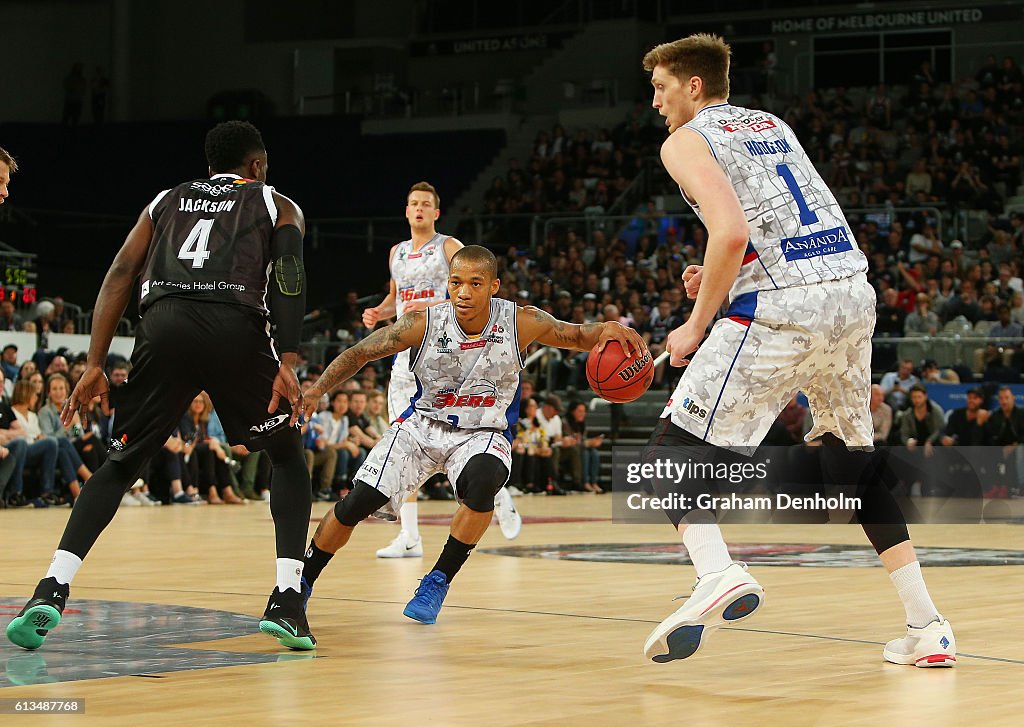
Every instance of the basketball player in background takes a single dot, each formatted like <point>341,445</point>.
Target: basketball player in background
<point>800,318</point>
<point>7,167</point>
<point>419,279</point>
<point>466,357</point>
<point>204,251</point>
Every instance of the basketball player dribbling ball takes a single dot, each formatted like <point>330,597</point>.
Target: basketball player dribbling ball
<point>204,251</point>
<point>419,279</point>
<point>466,356</point>
<point>800,318</point>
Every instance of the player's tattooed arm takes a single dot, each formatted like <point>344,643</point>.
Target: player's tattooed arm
<point>537,325</point>
<point>407,332</point>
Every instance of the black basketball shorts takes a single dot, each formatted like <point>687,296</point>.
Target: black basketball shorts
<point>183,347</point>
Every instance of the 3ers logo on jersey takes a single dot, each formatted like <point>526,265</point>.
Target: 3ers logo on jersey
<point>485,395</point>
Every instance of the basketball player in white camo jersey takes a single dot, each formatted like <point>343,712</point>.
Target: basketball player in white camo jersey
<point>466,359</point>
<point>419,279</point>
<point>800,318</point>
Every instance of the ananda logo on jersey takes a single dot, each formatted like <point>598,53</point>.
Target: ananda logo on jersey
<point>754,123</point>
<point>409,294</point>
<point>826,242</point>
<point>629,373</point>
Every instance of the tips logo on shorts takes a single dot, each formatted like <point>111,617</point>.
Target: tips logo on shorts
<point>694,409</point>
<point>269,424</point>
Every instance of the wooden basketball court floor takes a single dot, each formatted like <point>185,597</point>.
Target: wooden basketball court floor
<point>549,640</point>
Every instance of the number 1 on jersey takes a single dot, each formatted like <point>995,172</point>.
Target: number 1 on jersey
<point>194,247</point>
<point>807,215</point>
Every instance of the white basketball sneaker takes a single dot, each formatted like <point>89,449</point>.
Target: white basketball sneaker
<point>509,519</point>
<point>931,645</point>
<point>402,547</point>
<point>718,599</point>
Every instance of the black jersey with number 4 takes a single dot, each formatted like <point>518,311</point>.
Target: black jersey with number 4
<point>211,241</point>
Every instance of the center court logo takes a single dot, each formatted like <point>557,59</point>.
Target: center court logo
<point>695,411</point>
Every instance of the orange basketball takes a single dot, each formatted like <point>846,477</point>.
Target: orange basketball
<point>616,377</point>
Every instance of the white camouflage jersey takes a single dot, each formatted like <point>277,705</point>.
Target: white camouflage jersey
<point>798,233</point>
<point>420,275</point>
<point>470,383</point>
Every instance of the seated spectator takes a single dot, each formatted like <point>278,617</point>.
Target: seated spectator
<point>376,412</point>
<point>41,450</point>
<point>70,463</point>
<point>896,384</point>
<point>171,465</point>
<point>923,423</point>
<point>337,436</point>
<point>965,304</point>
<point>9,363</point>
<point>360,429</point>
<point>881,416</point>
<point>532,469</point>
<point>320,457</point>
<point>922,322</point>
<point>208,466</point>
<point>587,447</point>
<point>12,453</point>
<point>1006,327</point>
<point>9,319</point>
<point>1005,428</point>
<point>932,374</point>
<point>966,425</point>
<point>890,316</point>
<point>254,473</point>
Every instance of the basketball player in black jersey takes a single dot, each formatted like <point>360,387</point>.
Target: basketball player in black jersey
<point>209,253</point>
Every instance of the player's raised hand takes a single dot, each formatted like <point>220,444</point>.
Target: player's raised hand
<point>682,342</point>
<point>92,384</point>
<point>285,388</point>
<point>691,280</point>
<point>370,317</point>
<point>628,338</point>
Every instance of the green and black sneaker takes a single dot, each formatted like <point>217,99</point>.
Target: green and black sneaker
<point>285,620</point>
<point>41,614</point>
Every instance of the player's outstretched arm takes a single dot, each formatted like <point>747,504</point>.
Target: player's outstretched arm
<point>537,325</point>
<point>386,308</point>
<point>405,333</point>
<point>115,292</point>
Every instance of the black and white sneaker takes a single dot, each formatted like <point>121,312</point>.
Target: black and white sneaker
<point>39,616</point>
<point>285,620</point>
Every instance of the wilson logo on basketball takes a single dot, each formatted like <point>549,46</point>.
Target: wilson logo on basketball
<point>442,401</point>
<point>629,373</point>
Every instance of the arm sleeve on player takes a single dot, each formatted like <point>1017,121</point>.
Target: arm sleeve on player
<point>287,287</point>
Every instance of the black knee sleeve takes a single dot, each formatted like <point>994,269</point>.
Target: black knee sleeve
<point>479,482</point>
<point>291,497</point>
<point>863,475</point>
<point>671,443</point>
<point>362,502</point>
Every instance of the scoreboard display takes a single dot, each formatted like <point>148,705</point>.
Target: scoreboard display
<point>18,276</point>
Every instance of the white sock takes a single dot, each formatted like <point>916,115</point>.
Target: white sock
<point>64,566</point>
<point>289,574</point>
<point>410,520</point>
<point>914,593</point>
<point>706,548</point>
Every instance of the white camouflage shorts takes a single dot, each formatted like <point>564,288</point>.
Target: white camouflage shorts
<point>401,389</point>
<point>756,359</point>
<point>414,450</point>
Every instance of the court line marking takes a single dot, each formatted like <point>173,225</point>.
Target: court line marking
<point>538,613</point>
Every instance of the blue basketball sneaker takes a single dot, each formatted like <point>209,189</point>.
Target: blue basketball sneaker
<point>426,602</point>
<point>718,599</point>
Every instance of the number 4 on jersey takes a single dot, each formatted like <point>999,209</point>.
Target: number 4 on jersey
<point>194,247</point>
